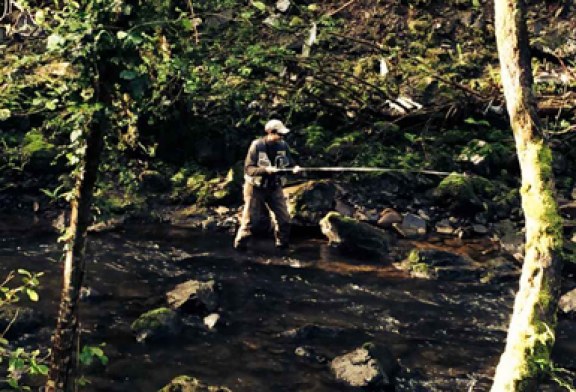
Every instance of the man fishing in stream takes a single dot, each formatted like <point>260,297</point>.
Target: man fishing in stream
<point>267,160</point>
<point>263,182</point>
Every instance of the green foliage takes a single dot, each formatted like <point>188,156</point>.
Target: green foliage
<point>91,353</point>
<point>20,361</point>
<point>10,295</point>
<point>35,143</point>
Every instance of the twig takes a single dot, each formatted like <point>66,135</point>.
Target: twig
<point>196,35</point>
<point>332,13</point>
<point>10,323</point>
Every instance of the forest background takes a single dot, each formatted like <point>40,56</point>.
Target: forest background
<point>388,84</point>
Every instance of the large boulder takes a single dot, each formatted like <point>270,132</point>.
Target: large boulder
<point>462,194</point>
<point>411,226</point>
<point>310,201</point>
<point>156,324</point>
<point>355,237</point>
<point>193,297</point>
<point>191,384</point>
<point>365,367</point>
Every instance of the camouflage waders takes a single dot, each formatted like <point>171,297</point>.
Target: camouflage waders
<point>258,200</point>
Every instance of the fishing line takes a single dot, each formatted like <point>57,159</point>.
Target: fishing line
<point>360,169</point>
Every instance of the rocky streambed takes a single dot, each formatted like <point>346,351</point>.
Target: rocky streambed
<point>308,319</point>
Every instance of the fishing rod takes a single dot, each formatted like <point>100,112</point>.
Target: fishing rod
<point>358,169</point>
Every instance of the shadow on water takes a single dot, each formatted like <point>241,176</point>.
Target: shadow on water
<point>447,335</point>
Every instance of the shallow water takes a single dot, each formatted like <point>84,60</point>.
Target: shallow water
<point>447,336</point>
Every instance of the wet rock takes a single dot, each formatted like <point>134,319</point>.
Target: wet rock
<point>511,238</point>
<point>191,384</point>
<point>500,269</point>
<point>344,208</point>
<point>438,264</point>
<point>310,201</point>
<point>311,331</point>
<point>412,226</point>
<point>156,324</point>
<point>365,367</point>
<point>310,354</point>
<point>479,229</point>
<point>211,320</point>
<point>388,217</point>
<point>567,303</point>
<point>445,227</point>
<point>193,296</point>
<point>366,215</point>
<point>352,236</point>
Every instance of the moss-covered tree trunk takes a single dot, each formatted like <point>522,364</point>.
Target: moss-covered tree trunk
<point>63,358</point>
<point>531,332</point>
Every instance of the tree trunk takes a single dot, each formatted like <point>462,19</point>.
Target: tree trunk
<point>531,332</point>
<point>63,358</point>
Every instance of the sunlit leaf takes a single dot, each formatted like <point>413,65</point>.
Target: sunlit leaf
<point>259,5</point>
<point>32,294</point>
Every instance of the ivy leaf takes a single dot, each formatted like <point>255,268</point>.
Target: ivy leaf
<point>39,369</point>
<point>259,5</point>
<point>121,34</point>
<point>51,105</point>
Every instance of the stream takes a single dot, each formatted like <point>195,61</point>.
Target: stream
<point>447,336</point>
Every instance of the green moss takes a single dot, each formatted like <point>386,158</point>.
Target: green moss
<point>456,186</point>
<point>34,143</point>
<point>153,319</point>
<point>354,236</point>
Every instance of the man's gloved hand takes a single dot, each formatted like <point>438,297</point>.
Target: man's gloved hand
<point>271,169</point>
<point>296,169</point>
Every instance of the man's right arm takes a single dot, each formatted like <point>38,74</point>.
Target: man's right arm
<point>251,163</point>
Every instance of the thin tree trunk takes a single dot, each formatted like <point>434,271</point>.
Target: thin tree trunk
<point>531,333</point>
<point>63,358</point>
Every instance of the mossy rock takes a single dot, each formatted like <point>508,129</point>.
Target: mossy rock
<point>460,193</point>
<point>309,202</point>
<point>154,181</point>
<point>442,265</point>
<point>218,190</point>
<point>355,237</point>
<point>191,384</point>
<point>157,323</point>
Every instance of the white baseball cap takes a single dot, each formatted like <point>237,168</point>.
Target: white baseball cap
<point>276,126</point>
